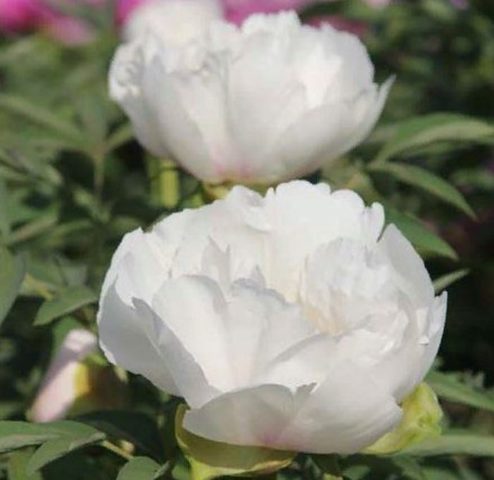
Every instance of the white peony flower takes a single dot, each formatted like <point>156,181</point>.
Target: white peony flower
<point>269,101</point>
<point>175,22</point>
<point>290,321</point>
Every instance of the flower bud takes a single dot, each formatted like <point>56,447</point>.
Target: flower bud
<point>75,383</point>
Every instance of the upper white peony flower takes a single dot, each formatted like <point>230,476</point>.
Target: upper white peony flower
<point>173,21</point>
<point>290,321</point>
<point>269,101</point>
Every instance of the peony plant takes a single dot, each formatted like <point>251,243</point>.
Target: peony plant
<point>289,328</point>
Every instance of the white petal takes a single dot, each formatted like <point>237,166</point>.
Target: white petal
<point>411,274</point>
<point>178,130</point>
<point>366,110</point>
<point>434,332</point>
<point>187,374</point>
<point>128,340</point>
<point>190,307</point>
<point>175,21</point>
<point>232,338</point>
<point>253,416</point>
<point>125,83</point>
<point>343,415</point>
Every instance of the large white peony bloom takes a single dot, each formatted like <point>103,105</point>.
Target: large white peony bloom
<point>173,21</point>
<point>290,321</point>
<point>269,101</point>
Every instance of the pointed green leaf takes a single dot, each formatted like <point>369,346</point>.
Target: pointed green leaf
<point>454,443</point>
<point>12,271</point>
<point>371,467</point>
<point>40,116</point>
<point>16,467</point>
<point>446,280</point>
<point>139,468</point>
<point>119,137</point>
<point>209,459</point>
<point>54,449</point>
<point>328,464</point>
<point>4,214</point>
<point>66,301</point>
<point>14,435</point>
<point>450,387</point>
<point>134,427</point>
<point>421,178</point>
<point>419,235</point>
<point>438,127</point>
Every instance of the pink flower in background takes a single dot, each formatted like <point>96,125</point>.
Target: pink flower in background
<point>125,8</point>
<point>18,14</point>
<point>378,3</point>
<point>26,15</point>
<point>341,23</point>
<point>235,10</point>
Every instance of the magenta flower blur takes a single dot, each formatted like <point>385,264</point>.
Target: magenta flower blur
<point>18,14</point>
<point>235,10</point>
<point>27,15</point>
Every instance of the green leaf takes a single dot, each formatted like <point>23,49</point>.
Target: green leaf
<point>209,459</point>
<point>119,137</point>
<point>438,127</point>
<point>14,435</point>
<point>419,235</point>
<point>454,443</point>
<point>450,387</point>
<point>66,301</point>
<point>40,116</point>
<point>4,215</point>
<point>371,467</point>
<point>328,464</point>
<point>137,428</point>
<point>54,449</point>
<point>421,178</point>
<point>43,224</point>
<point>446,280</point>
<point>16,467</point>
<point>12,273</point>
<point>139,468</point>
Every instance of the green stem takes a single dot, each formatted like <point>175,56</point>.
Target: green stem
<point>116,449</point>
<point>165,182</point>
<point>99,175</point>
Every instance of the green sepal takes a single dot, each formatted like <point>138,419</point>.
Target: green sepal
<point>209,459</point>
<point>421,420</point>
